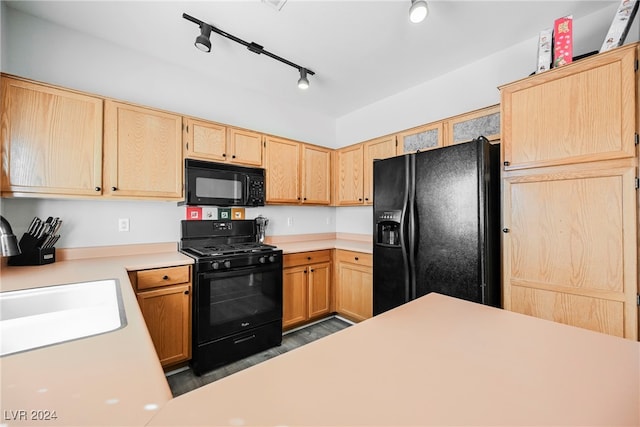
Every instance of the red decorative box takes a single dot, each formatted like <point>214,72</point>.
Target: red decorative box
<point>194,212</point>
<point>563,41</point>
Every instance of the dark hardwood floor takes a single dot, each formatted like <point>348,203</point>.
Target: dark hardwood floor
<point>184,381</point>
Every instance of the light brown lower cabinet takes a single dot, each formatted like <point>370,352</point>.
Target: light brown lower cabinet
<point>354,285</point>
<point>306,287</point>
<point>164,297</point>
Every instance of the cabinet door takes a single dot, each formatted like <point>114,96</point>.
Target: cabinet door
<point>205,140</point>
<point>426,137</point>
<point>354,285</point>
<point>582,112</point>
<point>469,126</point>
<point>380,148</point>
<point>166,312</point>
<point>245,147</point>
<point>283,170</point>
<point>316,175</point>
<point>350,175</point>
<point>570,253</point>
<point>51,140</point>
<point>294,296</point>
<point>143,152</point>
<point>319,290</point>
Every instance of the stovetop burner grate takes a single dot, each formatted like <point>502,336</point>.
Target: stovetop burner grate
<point>229,249</point>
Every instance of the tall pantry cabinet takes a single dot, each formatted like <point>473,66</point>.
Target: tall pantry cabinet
<point>570,198</point>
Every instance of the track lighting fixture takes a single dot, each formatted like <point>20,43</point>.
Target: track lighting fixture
<point>204,44</point>
<point>202,41</point>
<point>418,11</point>
<point>303,82</point>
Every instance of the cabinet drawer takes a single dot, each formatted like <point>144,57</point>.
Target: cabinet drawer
<point>355,257</point>
<point>305,258</point>
<point>146,279</point>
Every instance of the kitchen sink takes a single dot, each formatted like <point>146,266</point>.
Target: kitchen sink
<point>40,317</point>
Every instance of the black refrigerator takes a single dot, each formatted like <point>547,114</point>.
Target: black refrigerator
<point>436,220</point>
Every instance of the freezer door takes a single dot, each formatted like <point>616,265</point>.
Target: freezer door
<point>448,220</point>
<point>391,195</point>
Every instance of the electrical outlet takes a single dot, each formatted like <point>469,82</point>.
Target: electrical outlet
<point>289,221</point>
<point>123,224</point>
<point>328,220</point>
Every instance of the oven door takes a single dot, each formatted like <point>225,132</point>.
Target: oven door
<point>236,300</point>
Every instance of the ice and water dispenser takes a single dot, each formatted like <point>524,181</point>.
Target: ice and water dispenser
<point>388,228</point>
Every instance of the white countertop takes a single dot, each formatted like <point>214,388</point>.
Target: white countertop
<point>109,379</point>
<point>434,361</point>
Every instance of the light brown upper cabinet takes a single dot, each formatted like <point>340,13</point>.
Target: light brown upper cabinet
<point>215,142</point>
<point>316,175</point>
<point>376,149</point>
<point>350,175</point>
<point>245,147</point>
<point>297,173</point>
<point>51,140</point>
<point>354,173</point>
<point>580,112</point>
<point>143,152</point>
<point>282,170</point>
<point>421,138</point>
<point>469,126</point>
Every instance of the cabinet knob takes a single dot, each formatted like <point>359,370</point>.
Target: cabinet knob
<point>356,258</point>
<point>366,199</point>
<point>165,277</point>
<point>304,198</point>
<point>311,270</point>
<point>360,199</point>
<point>506,163</point>
<point>305,271</point>
<point>98,188</point>
<point>233,156</point>
<point>114,188</point>
<point>309,258</point>
<point>298,198</point>
<point>224,155</point>
<point>505,230</point>
<point>186,292</point>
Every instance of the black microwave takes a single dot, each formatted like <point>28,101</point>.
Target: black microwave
<point>221,184</point>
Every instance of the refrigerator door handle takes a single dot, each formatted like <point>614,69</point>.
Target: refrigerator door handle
<point>411,207</point>
<point>405,234</point>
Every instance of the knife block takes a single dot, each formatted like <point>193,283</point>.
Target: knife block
<point>32,253</point>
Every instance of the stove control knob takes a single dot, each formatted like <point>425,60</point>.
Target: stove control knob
<point>227,264</point>
<point>215,265</point>
<point>262,259</point>
<point>272,258</point>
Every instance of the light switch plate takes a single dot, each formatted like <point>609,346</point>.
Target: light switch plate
<point>123,224</point>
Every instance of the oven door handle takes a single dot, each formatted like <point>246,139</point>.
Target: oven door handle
<point>240,271</point>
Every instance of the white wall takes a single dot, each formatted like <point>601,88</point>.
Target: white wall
<point>43,51</point>
<point>468,88</point>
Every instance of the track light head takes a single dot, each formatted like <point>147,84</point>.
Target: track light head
<point>303,82</point>
<point>202,41</point>
<point>418,11</point>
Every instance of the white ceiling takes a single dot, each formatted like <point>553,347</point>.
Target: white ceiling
<point>361,51</point>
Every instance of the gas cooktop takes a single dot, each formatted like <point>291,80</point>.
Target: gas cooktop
<point>229,249</point>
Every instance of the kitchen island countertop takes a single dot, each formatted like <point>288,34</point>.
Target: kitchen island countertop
<point>434,361</point>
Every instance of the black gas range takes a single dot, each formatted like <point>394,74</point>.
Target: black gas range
<point>237,298</point>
